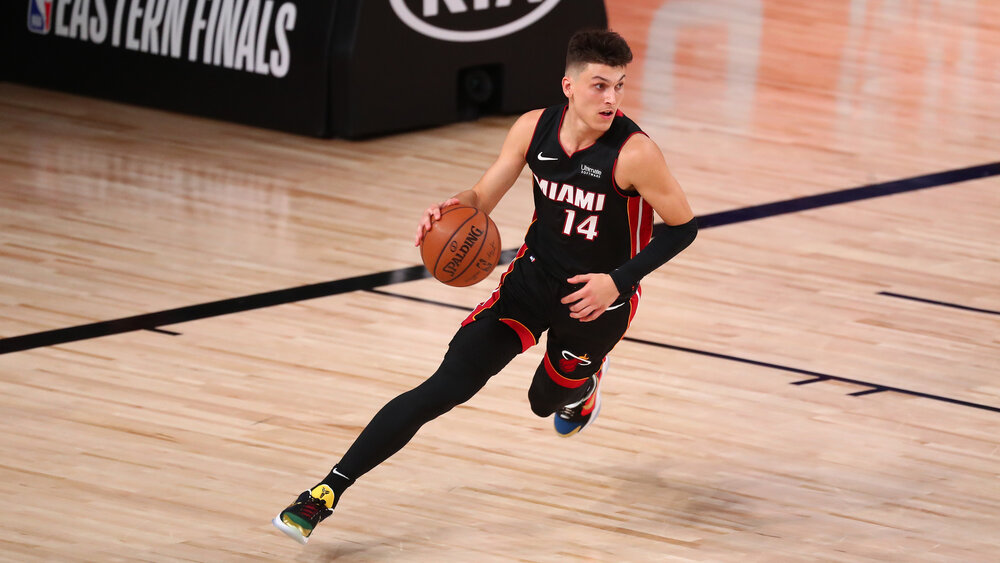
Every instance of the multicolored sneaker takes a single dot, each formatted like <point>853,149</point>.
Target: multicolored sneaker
<point>302,516</point>
<point>576,416</point>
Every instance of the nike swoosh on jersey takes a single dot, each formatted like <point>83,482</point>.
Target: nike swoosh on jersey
<point>541,157</point>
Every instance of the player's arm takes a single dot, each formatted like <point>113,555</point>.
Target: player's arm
<point>641,167</point>
<point>497,179</point>
<point>645,170</point>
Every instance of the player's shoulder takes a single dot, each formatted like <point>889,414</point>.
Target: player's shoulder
<point>524,128</point>
<point>638,157</point>
<point>638,147</point>
<point>529,120</point>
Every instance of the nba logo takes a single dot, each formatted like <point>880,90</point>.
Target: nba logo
<point>39,15</point>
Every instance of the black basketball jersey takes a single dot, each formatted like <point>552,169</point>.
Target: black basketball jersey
<point>584,222</point>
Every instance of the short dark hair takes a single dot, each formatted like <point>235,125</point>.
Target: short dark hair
<point>601,46</point>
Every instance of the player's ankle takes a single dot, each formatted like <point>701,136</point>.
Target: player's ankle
<point>337,481</point>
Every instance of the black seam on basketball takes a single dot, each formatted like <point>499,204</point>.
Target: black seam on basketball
<point>459,229</point>
<point>448,243</point>
<point>486,232</point>
<point>445,246</point>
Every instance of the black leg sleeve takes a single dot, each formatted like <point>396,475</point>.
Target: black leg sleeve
<point>546,396</point>
<point>476,353</point>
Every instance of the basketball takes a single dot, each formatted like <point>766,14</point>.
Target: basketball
<point>462,248</point>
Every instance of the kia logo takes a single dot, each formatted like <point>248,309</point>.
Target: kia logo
<point>437,18</point>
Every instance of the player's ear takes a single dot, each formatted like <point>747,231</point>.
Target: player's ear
<point>567,86</point>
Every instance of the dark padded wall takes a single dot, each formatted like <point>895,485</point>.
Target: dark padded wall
<point>352,68</point>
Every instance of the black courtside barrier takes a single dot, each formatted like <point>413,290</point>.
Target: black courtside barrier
<point>349,68</point>
<point>261,62</point>
<point>416,63</point>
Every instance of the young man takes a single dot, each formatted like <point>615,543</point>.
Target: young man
<point>597,179</point>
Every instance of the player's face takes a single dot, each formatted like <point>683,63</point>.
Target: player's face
<point>595,92</point>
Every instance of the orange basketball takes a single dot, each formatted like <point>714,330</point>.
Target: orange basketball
<point>463,247</point>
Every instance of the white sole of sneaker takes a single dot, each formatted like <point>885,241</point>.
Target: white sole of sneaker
<point>289,531</point>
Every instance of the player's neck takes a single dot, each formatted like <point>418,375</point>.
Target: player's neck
<point>575,134</point>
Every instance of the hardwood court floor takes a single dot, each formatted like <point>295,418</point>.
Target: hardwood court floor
<point>798,387</point>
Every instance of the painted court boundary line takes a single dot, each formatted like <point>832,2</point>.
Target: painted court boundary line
<point>941,303</point>
<point>814,377</point>
<point>153,321</point>
<point>849,195</point>
<point>156,320</point>
<point>817,377</point>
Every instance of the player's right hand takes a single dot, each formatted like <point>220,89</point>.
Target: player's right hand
<point>431,214</point>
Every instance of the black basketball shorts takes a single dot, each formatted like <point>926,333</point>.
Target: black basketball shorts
<point>528,300</point>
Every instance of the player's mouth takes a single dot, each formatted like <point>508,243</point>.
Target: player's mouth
<point>607,114</point>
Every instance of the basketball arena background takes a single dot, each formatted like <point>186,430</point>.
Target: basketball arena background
<point>348,68</point>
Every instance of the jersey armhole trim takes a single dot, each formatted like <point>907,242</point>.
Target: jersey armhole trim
<point>614,167</point>
<point>534,131</point>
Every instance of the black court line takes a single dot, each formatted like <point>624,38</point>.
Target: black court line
<point>849,195</point>
<point>163,331</point>
<point>941,303</point>
<point>371,281</point>
<point>206,310</point>
<point>868,392</point>
<point>421,300</point>
<point>813,380</point>
<point>872,387</point>
<point>815,377</point>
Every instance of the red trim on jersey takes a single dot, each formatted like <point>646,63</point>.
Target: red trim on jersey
<point>561,379</point>
<point>646,229</point>
<point>614,182</point>
<point>534,131</point>
<point>496,292</point>
<point>640,224</point>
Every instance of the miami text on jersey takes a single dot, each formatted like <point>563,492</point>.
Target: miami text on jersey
<point>572,195</point>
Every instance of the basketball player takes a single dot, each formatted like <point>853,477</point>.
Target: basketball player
<point>597,180</point>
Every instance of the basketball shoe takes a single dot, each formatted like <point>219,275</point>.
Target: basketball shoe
<point>301,517</point>
<point>574,417</point>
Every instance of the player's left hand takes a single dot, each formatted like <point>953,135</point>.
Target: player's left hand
<point>431,214</point>
<point>591,300</point>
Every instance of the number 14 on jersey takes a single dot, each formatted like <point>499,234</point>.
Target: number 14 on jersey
<point>587,227</point>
